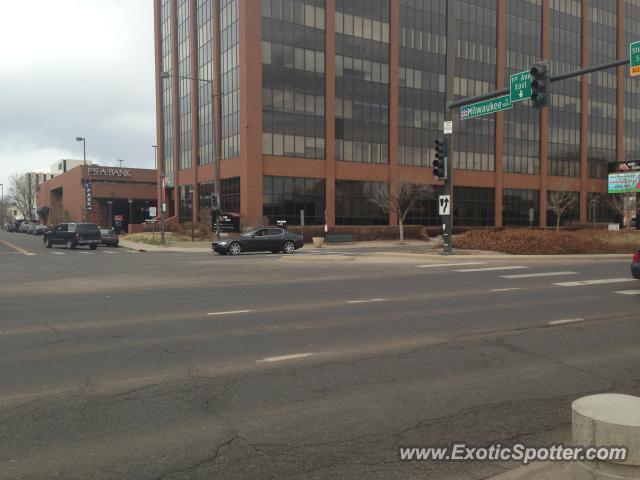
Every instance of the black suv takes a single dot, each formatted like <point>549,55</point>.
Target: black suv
<point>73,234</point>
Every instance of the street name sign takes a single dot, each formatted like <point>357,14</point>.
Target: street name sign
<point>634,58</point>
<point>520,86</point>
<point>485,108</point>
<point>444,205</point>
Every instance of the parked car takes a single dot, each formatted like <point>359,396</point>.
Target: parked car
<point>635,265</point>
<point>40,229</point>
<point>263,239</point>
<point>16,225</point>
<point>108,237</point>
<point>30,228</point>
<point>11,227</point>
<point>24,226</point>
<point>72,235</point>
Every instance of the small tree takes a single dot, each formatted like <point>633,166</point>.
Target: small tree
<point>622,203</point>
<point>23,192</point>
<point>560,203</point>
<point>400,198</point>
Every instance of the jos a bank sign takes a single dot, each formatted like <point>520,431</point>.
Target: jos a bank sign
<point>108,172</point>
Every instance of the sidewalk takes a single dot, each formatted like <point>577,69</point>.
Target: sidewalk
<point>538,471</point>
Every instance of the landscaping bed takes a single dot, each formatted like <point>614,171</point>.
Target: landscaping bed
<point>549,242</point>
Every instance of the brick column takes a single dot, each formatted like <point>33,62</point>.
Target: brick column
<point>330,112</point>
<point>544,119</point>
<point>195,96</point>
<point>394,62</point>
<point>499,125</point>
<point>622,73</point>
<point>584,117</point>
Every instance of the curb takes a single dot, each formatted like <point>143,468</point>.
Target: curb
<point>317,258</point>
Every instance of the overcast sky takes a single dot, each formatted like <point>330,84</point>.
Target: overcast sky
<point>76,68</point>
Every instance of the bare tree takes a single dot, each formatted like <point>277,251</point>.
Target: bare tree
<point>400,198</point>
<point>23,192</point>
<point>560,203</point>
<point>622,203</point>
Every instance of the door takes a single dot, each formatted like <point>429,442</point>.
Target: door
<point>275,236</point>
<point>259,241</point>
<point>59,233</point>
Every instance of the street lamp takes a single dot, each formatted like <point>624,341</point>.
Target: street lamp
<point>4,209</point>
<point>155,162</point>
<point>120,160</point>
<point>84,172</point>
<point>217,132</point>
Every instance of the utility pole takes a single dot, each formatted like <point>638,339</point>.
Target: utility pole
<point>30,203</point>
<point>447,220</point>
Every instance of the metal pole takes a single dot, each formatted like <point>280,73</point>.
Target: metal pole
<point>162,202</point>
<point>447,220</point>
<point>84,175</point>
<point>130,216</point>
<point>30,203</point>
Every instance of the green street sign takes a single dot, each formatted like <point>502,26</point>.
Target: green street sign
<point>485,108</point>
<point>634,58</point>
<point>520,86</point>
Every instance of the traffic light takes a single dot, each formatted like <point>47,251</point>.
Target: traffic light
<point>440,160</point>
<point>540,85</point>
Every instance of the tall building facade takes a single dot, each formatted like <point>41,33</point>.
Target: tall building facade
<point>314,105</point>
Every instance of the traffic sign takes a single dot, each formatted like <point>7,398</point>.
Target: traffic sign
<point>520,86</point>
<point>485,108</point>
<point>634,58</point>
<point>444,205</point>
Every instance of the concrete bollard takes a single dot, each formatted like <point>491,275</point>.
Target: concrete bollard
<point>607,420</point>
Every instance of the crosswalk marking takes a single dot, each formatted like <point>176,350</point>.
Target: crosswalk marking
<point>628,292</point>
<point>602,281</point>
<point>490,269</point>
<point>497,290</point>
<point>535,275</point>
<point>373,300</point>
<point>565,321</point>
<point>433,265</point>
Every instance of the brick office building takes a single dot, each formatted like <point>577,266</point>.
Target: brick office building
<point>62,199</point>
<point>319,102</point>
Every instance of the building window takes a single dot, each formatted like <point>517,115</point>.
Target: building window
<point>230,201</point>
<point>186,203</point>
<point>205,190</point>
<point>425,212</point>
<point>166,48</point>
<point>362,81</point>
<point>184,84</point>
<point>355,205</point>
<point>517,205</point>
<point>293,78</point>
<point>421,80</point>
<point>285,197</point>
<point>631,86</point>
<point>600,209</point>
<point>206,48</point>
<point>474,207</point>
<point>230,78</point>
<point>571,216</point>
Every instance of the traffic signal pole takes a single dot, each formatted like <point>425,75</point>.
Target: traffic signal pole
<point>447,220</point>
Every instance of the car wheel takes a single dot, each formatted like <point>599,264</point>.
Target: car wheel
<point>235,248</point>
<point>93,247</point>
<point>47,243</point>
<point>69,245</point>
<point>289,247</point>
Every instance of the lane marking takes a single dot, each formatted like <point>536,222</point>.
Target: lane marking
<point>14,247</point>
<point>373,300</point>
<point>535,275</point>
<point>490,269</point>
<point>107,251</point>
<point>231,312</point>
<point>565,321</point>
<point>505,289</point>
<point>87,253</point>
<point>57,253</point>
<point>602,281</point>
<point>628,292</point>
<point>284,358</point>
<point>433,265</point>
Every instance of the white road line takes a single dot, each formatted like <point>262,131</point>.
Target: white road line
<point>107,251</point>
<point>628,292</point>
<point>505,289</point>
<point>489,269</point>
<point>433,265</point>
<point>30,254</point>
<point>595,282</point>
<point>534,275</point>
<point>284,358</point>
<point>57,253</point>
<point>373,300</point>
<point>231,312</point>
<point>565,321</point>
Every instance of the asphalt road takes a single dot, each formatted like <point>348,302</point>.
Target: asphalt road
<point>124,365</point>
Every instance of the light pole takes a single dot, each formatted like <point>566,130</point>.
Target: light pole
<point>217,133</point>
<point>155,162</point>
<point>84,173</point>
<point>120,160</point>
<point>4,209</point>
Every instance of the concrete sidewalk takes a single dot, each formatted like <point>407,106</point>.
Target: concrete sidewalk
<point>538,471</point>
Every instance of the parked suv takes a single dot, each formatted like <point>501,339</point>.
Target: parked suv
<point>72,235</point>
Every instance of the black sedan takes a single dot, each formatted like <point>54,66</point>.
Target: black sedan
<point>635,265</point>
<point>261,240</point>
